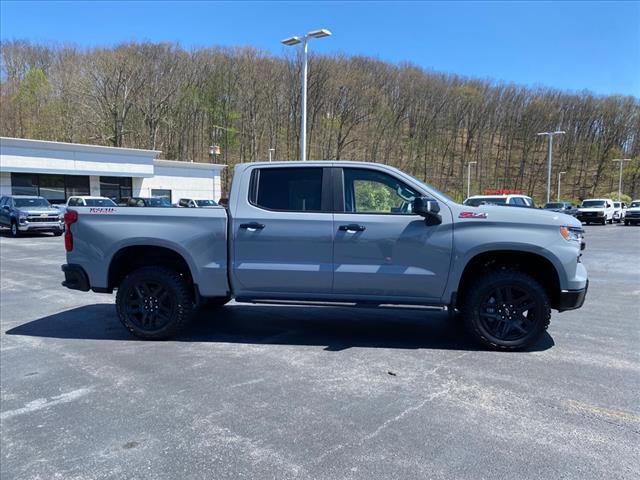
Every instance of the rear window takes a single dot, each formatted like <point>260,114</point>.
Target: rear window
<point>100,202</point>
<point>288,189</point>
<point>475,202</point>
<point>206,203</point>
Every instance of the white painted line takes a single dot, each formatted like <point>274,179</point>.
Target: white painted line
<point>42,403</point>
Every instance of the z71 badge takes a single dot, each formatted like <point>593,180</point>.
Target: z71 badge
<point>473,215</point>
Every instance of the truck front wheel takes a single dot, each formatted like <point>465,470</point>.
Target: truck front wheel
<point>154,303</point>
<point>506,310</point>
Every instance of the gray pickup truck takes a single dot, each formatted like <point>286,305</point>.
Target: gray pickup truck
<point>332,232</point>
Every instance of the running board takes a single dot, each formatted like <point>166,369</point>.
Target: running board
<point>318,303</point>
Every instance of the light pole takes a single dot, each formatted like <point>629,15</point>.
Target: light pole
<point>469,178</point>
<point>559,176</point>
<point>621,160</point>
<point>550,135</point>
<point>271,150</point>
<point>303,107</point>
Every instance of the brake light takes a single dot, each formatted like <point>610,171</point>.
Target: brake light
<point>71,216</point>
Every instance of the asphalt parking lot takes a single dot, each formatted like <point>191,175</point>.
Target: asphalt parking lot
<point>311,392</point>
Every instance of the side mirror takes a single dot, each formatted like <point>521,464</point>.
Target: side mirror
<point>427,208</point>
<point>6,207</point>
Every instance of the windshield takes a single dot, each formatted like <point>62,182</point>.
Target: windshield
<point>554,205</point>
<point>476,202</point>
<point>158,202</point>
<point>634,205</point>
<point>592,203</point>
<point>31,202</point>
<point>206,203</point>
<point>100,202</point>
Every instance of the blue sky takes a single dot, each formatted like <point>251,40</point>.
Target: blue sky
<point>571,46</point>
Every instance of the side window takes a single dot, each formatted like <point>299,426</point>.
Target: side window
<point>182,202</point>
<point>73,202</point>
<point>288,189</point>
<point>518,201</point>
<point>370,191</point>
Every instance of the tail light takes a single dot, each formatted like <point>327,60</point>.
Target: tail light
<point>71,216</point>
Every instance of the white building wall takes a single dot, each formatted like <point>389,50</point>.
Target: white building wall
<point>185,180</point>
<point>5,183</point>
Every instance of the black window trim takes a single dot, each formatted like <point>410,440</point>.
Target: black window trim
<point>326,200</point>
<point>339,189</point>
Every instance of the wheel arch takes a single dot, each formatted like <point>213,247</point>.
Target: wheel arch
<point>534,264</point>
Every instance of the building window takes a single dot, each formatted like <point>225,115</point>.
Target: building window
<point>157,192</point>
<point>24,184</point>
<point>117,189</point>
<point>55,188</point>
<point>77,186</point>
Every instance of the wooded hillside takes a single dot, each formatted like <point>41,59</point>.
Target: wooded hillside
<point>160,96</point>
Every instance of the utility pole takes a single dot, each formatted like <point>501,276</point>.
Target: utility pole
<point>303,108</point>
<point>469,178</point>
<point>550,135</point>
<point>559,176</point>
<point>621,160</point>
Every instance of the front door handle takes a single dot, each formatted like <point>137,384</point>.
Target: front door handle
<point>352,227</point>
<point>252,226</point>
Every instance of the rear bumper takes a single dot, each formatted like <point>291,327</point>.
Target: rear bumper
<point>572,299</point>
<point>75,278</point>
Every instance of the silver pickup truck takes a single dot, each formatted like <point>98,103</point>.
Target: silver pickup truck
<point>347,232</point>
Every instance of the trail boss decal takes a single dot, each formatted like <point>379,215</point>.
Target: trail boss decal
<point>472,215</point>
<point>100,210</point>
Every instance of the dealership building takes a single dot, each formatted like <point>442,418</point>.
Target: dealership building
<point>57,170</point>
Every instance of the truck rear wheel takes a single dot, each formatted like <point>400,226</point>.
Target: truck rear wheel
<point>154,303</point>
<point>506,310</point>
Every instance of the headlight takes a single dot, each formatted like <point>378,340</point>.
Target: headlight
<point>572,234</point>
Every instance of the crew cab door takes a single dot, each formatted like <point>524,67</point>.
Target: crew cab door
<point>382,251</point>
<point>282,233</point>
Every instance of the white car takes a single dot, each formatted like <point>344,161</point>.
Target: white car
<point>195,203</point>
<point>596,210</point>
<point>620,209</point>
<point>632,215</point>
<point>512,200</point>
<point>88,201</point>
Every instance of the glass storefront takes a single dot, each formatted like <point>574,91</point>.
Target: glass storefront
<point>117,189</point>
<point>55,188</point>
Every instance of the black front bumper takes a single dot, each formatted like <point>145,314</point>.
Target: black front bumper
<point>75,278</point>
<point>572,299</point>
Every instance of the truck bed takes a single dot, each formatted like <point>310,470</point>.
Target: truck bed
<point>199,235</point>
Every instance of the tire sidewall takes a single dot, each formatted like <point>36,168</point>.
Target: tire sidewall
<point>14,229</point>
<point>176,288</point>
<point>501,279</point>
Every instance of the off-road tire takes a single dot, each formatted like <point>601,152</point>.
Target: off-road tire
<point>13,229</point>
<point>477,296</point>
<point>175,293</point>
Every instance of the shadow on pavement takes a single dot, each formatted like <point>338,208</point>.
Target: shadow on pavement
<point>335,328</point>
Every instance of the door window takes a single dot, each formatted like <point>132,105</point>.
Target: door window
<point>288,189</point>
<point>370,191</point>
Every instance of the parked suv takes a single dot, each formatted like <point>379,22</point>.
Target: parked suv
<point>21,213</point>
<point>596,210</point>
<point>193,203</point>
<point>509,200</point>
<point>632,215</point>
<point>619,211</point>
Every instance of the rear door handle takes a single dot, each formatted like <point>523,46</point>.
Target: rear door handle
<point>252,226</point>
<point>352,227</point>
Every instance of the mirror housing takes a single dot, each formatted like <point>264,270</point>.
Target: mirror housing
<point>427,208</point>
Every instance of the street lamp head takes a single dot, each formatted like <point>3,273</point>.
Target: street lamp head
<point>323,32</point>
<point>291,41</point>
